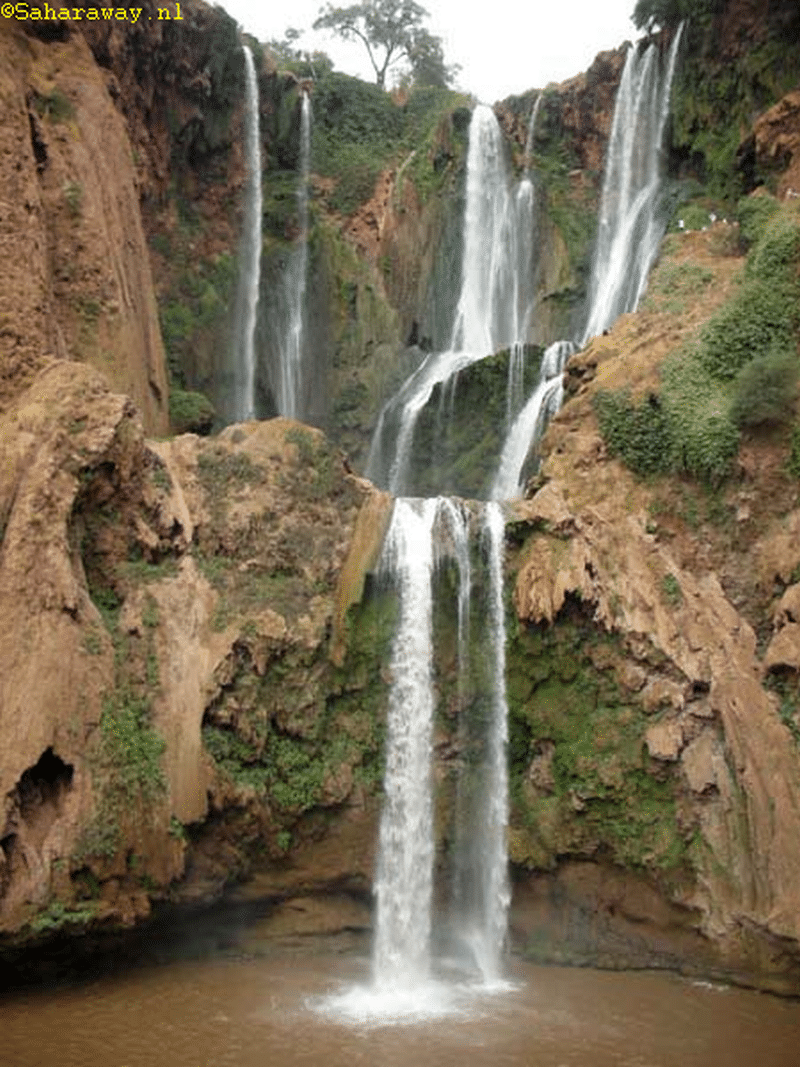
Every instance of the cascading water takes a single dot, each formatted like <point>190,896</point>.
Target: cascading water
<point>493,310</point>
<point>423,535</point>
<point>629,234</point>
<point>630,226</point>
<point>530,423</point>
<point>481,889</point>
<point>494,824</point>
<point>244,379</point>
<point>288,387</point>
<point>404,882</point>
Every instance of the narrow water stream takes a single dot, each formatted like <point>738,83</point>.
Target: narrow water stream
<point>270,1010</point>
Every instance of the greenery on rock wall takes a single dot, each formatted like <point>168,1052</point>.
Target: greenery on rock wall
<point>722,82</point>
<point>581,780</point>
<point>359,130</point>
<point>452,447</point>
<point>741,370</point>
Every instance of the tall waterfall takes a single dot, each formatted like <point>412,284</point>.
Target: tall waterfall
<point>423,535</point>
<point>481,887</point>
<point>243,405</point>
<point>289,372</point>
<point>631,225</point>
<point>494,306</point>
<point>404,883</point>
<point>493,312</point>
<point>630,230</point>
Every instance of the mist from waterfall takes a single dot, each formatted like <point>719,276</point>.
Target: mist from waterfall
<point>242,402</point>
<point>289,378</point>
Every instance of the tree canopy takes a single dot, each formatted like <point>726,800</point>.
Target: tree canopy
<point>391,31</point>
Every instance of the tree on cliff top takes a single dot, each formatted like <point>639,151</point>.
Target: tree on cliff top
<point>391,31</point>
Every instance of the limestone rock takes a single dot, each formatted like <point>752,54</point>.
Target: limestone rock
<point>664,740</point>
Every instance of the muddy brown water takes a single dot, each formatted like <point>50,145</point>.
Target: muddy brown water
<point>284,1009</point>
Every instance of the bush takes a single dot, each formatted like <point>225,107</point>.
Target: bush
<point>759,319</point>
<point>777,251</point>
<point>640,434</point>
<point>705,438</point>
<point>766,389</point>
<point>754,214</point>
<point>190,412</point>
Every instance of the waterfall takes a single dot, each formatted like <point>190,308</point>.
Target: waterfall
<point>630,227</point>
<point>289,386</point>
<point>494,306</point>
<point>494,823</point>
<point>532,132</point>
<point>423,535</point>
<point>530,423</point>
<point>244,383</point>
<point>404,883</point>
<point>630,230</point>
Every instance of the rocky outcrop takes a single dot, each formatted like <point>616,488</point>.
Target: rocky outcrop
<point>679,658</point>
<point>78,277</point>
<point>167,612</point>
<point>578,111</point>
<point>776,144</point>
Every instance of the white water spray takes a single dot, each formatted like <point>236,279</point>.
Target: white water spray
<point>494,823</point>
<point>404,883</point>
<point>494,305</point>
<point>243,401</point>
<point>289,388</point>
<point>630,229</point>
<point>629,234</point>
<point>528,427</point>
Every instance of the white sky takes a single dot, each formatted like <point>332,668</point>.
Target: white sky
<point>504,48</point>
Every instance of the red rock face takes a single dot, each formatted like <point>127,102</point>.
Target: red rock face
<point>777,144</point>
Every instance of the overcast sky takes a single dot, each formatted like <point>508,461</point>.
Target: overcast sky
<point>507,48</point>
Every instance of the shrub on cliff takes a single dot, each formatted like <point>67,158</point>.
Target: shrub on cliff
<point>190,412</point>
<point>759,319</point>
<point>766,389</point>
<point>638,432</point>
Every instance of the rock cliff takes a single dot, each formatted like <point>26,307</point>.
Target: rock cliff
<point>77,273</point>
<point>193,636</point>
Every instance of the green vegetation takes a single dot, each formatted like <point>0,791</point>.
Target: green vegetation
<point>54,106</point>
<point>306,731</point>
<point>73,194</point>
<point>356,133</point>
<point>672,591</point>
<point>649,14</point>
<point>58,916</point>
<point>740,371</point>
<point>125,752</point>
<point>190,412</point>
<point>195,308</point>
<point>391,31</point>
<point>717,91</point>
<point>596,787</point>
<point>766,389</point>
<point>673,284</point>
